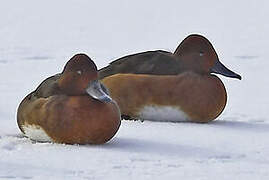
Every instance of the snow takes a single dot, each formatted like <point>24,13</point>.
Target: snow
<point>38,37</point>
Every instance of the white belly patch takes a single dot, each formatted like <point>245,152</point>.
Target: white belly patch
<point>163,113</point>
<point>36,133</point>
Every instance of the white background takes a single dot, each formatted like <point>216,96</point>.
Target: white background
<point>38,37</point>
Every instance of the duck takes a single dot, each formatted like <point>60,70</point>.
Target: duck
<point>165,86</point>
<point>71,107</point>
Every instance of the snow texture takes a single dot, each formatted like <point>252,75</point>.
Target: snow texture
<point>38,37</point>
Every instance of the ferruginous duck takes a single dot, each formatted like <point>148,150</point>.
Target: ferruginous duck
<point>71,107</point>
<point>163,86</point>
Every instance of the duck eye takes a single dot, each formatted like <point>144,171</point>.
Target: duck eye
<point>79,72</point>
<point>201,53</point>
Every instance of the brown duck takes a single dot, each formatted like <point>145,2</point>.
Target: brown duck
<point>70,107</point>
<point>164,86</point>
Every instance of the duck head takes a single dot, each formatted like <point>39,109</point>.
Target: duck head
<point>80,77</point>
<point>198,55</point>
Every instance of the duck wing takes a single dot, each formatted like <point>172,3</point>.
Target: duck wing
<point>48,87</point>
<point>151,62</point>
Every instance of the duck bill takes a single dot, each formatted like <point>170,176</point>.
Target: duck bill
<point>98,91</point>
<point>219,68</point>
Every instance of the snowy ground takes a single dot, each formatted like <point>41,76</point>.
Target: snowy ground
<point>38,37</point>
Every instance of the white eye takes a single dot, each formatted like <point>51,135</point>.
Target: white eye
<point>201,54</point>
<point>79,72</point>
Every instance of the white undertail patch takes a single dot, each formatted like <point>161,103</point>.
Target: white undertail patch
<point>36,133</point>
<point>163,113</point>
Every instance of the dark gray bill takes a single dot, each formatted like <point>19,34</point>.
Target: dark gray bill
<point>219,68</point>
<point>95,90</point>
